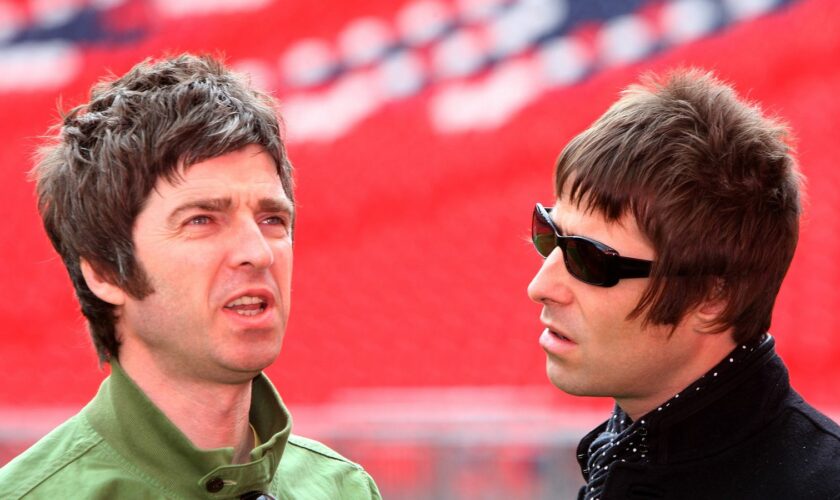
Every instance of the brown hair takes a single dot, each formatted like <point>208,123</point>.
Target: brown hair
<point>712,184</point>
<point>94,177</point>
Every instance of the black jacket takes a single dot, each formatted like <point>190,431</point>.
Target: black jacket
<point>751,438</point>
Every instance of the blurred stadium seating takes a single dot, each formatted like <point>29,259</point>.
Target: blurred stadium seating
<point>422,132</point>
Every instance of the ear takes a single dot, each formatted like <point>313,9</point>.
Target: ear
<point>711,309</point>
<point>100,286</point>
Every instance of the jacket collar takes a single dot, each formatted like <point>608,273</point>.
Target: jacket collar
<point>727,414</point>
<point>148,441</point>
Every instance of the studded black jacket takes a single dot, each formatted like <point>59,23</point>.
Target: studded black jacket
<point>750,437</point>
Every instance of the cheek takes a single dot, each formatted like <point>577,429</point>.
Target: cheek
<point>610,336</point>
<point>283,256</point>
<point>167,261</point>
<point>185,280</point>
<point>282,267</point>
<point>608,308</point>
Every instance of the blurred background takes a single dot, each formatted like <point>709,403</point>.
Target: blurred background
<point>422,133</point>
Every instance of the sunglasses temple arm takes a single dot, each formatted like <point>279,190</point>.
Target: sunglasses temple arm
<point>633,268</point>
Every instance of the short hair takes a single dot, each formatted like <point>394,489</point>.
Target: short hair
<point>96,173</point>
<point>712,184</point>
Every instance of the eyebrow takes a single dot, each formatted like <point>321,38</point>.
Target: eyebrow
<point>276,205</point>
<point>273,205</point>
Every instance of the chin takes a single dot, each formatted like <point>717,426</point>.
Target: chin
<point>257,354</point>
<point>566,383</point>
<point>581,388</point>
<point>256,363</point>
<point>250,362</point>
<point>238,373</point>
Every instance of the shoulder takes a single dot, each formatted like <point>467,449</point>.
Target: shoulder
<point>72,461</point>
<point>38,466</point>
<point>799,453</point>
<point>816,436</point>
<point>320,451</point>
<point>331,474</point>
<point>812,419</point>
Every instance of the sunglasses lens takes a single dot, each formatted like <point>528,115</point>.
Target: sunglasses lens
<point>585,261</point>
<point>542,235</point>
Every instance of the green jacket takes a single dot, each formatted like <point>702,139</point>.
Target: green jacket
<point>121,446</point>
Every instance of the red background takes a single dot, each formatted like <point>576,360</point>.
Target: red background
<point>411,259</point>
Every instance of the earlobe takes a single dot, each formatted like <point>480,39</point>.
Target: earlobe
<point>101,287</point>
<point>708,314</point>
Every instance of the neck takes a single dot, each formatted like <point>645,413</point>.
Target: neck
<point>709,351</point>
<point>210,414</point>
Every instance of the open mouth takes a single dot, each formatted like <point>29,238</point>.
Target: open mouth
<point>247,305</point>
<point>559,336</point>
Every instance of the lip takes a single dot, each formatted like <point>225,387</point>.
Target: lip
<point>556,342</point>
<point>261,292</point>
<point>266,318</point>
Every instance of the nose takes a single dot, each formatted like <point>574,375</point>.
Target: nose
<point>249,246</point>
<point>550,284</point>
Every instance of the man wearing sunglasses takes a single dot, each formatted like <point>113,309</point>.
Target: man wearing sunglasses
<point>675,220</point>
<point>169,198</point>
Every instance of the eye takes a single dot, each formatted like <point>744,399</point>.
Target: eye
<point>199,220</point>
<point>275,226</point>
<point>274,220</point>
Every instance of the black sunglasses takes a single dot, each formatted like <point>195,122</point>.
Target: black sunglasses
<point>588,260</point>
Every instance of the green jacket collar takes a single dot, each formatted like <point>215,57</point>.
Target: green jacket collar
<point>142,435</point>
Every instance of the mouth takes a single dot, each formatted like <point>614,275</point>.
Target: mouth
<point>555,332</point>
<point>249,305</point>
<point>556,343</point>
<point>558,335</point>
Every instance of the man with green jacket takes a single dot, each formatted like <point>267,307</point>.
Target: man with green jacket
<point>169,198</point>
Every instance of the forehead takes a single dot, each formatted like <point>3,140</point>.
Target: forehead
<point>247,171</point>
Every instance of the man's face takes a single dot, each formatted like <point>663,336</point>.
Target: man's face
<point>592,348</point>
<point>217,249</point>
